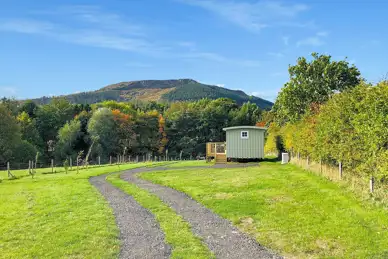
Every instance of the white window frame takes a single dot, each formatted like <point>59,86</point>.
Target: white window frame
<point>244,131</point>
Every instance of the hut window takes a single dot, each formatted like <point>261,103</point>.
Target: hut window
<point>244,134</point>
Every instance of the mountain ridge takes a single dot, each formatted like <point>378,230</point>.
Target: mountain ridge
<point>170,90</point>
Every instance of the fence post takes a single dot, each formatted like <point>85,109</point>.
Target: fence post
<point>143,158</point>
<point>77,166</point>
<point>52,165</point>
<point>340,169</point>
<point>371,184</point>
<point>29,166</point>
<point>308,161</point>
<point>110,160</point>
<point>10,175</point>
<point>99,160</point>
<point>71,164</point>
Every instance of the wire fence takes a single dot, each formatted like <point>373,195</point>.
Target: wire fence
<point>13,170</point>
<point>365,187</point>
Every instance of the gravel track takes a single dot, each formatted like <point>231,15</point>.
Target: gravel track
<point>222,238</point>
<point>140,234</point>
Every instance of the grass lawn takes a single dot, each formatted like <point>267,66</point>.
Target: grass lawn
<point>190,163</point>
<point>290,210</point>
<point>57,216</point>
<point>177,231</point>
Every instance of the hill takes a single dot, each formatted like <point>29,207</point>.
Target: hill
<point>160,90</point>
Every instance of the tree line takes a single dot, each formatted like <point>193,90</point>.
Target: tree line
<point>61,130</point>
<point>327,112</point>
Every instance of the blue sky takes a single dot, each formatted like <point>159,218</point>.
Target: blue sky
<point>60,47</point>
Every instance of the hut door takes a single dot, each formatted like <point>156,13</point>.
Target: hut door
<point>220,148</point>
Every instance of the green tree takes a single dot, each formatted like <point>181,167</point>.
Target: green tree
<point>10,136</point>
<point>30,108</point>
<point>102,127</point>
<point>29,130</point>
<point>313,82</point>
<point>68,136</point>
<point>51,117</point>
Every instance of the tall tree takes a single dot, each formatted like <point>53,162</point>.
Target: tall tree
<point>51,117</point>
<point>311,82</point>
<point>10,136</point>
<point>102,127</point>
<point>68,136</point>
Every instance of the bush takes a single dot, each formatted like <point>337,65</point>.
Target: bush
<point>351,128</point>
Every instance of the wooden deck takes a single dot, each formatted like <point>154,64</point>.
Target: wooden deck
<point>216,151</point>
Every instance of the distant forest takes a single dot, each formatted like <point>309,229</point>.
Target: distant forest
<point>60,130</point>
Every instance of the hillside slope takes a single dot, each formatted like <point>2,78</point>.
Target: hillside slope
<point>160,90</point>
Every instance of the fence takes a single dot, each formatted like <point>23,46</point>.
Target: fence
<point>23,169</point>
<point>366,188</point>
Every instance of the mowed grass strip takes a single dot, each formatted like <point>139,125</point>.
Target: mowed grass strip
<point>58,216</point>
<point>297,213</point>
<point>190,163</point>
<point>177,231</point>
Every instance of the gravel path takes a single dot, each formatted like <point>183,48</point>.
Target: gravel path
<point>140,234</point>
<point>222,238</point>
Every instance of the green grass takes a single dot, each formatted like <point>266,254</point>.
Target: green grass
<point>290,210</point>
<point>57,216</point>
<point>190,163</point>
<point>47,170</point>
<point>177,231</point>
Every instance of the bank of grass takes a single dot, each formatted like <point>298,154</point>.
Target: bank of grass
<point>190,163</point>
<point>48,170</point>
<point>297,213</point>
<point>58,216</point>
<point>177,231</point>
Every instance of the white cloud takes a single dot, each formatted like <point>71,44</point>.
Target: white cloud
<point>314,41</point>
<point>90,26</point>
<point>26,26</point>
<point>276,54</point>
<point>311,41</point>
<point>251,16</point>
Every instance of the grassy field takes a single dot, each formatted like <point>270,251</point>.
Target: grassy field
<point>57,216</point>
<point>297,213</point>
<point>47,170</point>
<point>177,231</point>
<point>190,163</point>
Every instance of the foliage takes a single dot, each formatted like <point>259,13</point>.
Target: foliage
<point>351,128</point>
<point>61,129</point>
<point>10,136</point>
<point>68,136</point>
<point>102,126</point>
<point>50,118</point>
<point>162,135</point>
<point>30,108</point>
<point>24,152</point>
<point>313,82</point>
